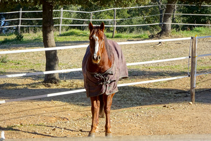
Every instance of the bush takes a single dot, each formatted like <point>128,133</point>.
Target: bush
<point>19,36</point>
<point>4,41</point>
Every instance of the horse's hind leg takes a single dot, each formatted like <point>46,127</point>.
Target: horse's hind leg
<point>95,105</point>
<point>107,108</point>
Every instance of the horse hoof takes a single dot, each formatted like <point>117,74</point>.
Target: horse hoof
<point>92,135</point>
<point>108,135</point>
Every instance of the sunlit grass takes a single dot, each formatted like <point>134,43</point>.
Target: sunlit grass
<point>71,35</point>
<point>199,31</point>
<point>82,35</point>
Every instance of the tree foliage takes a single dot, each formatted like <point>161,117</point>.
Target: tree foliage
<point>48,23</point>
<point>7,5</point>
<point>134,15</point>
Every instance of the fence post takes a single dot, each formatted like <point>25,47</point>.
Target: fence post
<point>91,17</point>
<point>193,69</point>
<point>175,9</point>
<point>19,26</point>
<point>60,25</point>
<point>114,23</point>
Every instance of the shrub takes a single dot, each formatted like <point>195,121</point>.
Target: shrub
<point>19,36</point>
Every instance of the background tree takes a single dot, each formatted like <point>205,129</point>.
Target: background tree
<point>167,19</point>
<point>48,24</point>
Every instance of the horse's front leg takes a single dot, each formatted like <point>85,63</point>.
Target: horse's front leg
<point>107,108</point>
<point>101,112</point>
<point>95,105</point>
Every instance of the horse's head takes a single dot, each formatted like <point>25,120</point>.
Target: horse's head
<point>97,43</point>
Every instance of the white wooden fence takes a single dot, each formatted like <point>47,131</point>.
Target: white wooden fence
<point>91,19</point>
<point>192,55</point>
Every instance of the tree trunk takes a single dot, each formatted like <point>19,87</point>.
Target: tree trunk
<point>161,9</point>
<point>167,19</point>
<point>48,40</point>
<point>174,11</point>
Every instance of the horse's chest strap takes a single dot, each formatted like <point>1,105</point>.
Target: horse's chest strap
<point>103,79</point>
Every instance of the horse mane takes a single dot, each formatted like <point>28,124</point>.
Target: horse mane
<point>108,48</point>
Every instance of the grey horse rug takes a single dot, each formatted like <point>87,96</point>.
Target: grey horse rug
<point>105,83</point>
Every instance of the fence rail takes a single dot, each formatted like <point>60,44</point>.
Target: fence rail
<point>60,25</point>
<point>83,90</point>
<point>83,46</point>
<point>193,68</point>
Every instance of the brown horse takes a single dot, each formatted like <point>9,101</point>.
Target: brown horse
<point>101,72</point>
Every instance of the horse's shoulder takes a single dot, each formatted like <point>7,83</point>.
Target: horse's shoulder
<point>113,43</point>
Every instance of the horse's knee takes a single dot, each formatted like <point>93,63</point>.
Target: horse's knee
<point>107,109</point>
<point>95,107</point>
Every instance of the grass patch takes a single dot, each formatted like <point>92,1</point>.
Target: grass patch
<point>128,36</point>
<point>24,38</point>
<point>199,31</point>
<point>19,64</point>
<point>71,35</point>
<point>82,35</point>
<point>203,67</point>
<point>75,32</point>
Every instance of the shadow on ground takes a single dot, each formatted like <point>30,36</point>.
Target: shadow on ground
<point>133,73</point>
<point>129,96</point>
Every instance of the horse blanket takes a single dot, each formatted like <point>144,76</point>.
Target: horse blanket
<point>105,83</point>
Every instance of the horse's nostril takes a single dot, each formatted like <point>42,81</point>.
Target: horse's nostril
<point>94,57</point>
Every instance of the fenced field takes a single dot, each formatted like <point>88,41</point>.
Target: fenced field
<point>154,100</point>
<point>148,109</point>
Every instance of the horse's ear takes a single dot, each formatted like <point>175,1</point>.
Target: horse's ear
<point>90,26</point>
<point>102,26</point>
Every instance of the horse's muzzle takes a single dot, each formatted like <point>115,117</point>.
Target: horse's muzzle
<point>96,59</point>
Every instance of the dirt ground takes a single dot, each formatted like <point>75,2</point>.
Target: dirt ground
<point>161,108</point>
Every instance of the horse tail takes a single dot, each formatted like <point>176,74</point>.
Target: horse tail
<point>101,112</point>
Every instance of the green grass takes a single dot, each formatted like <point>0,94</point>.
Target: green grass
<point>82,35</point>
<point>27,38</point>
<point>203,67</point>
<point>128,36</point>
<point>71,35</point>
<point>18,64</point>
<point>199,31</point>
<point>75,32</point>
